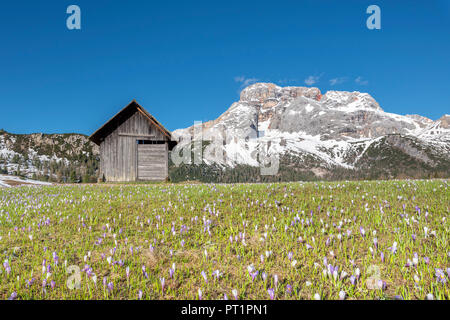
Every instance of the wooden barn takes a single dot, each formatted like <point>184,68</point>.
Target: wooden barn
<point>134,146</point>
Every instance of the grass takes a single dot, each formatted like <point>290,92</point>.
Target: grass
<point>55,238</point>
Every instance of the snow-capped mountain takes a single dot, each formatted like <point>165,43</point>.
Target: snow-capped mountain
<point>337,135</point>
<point>337,129</point>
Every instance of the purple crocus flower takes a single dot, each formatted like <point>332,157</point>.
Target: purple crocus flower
<point>289,289</point>
<point>382,284</point>
<point>55,258</point>
<point>53,284</point>
<point>163,282</point>
<point>352,279</point>
<point>275,280</point>
<point>357,273</point>
<point>382,256</point>
<point>335,274</point>
<point>110,287</point>
<point>271,293</point>
<point>426,260</point>
<point>264,276</point>
<point>254,275</point>
<point>199,294</point>
<point>235,294</point>
<point>440,276</point>
<point>127,270</point>
<point>140,294</point>
<point>30,282</point>
<point>362,231</point>
<point>217,274</point>
<point>204,276</point>
<point>290,255</point>
<point>7,267</point>
<point>144,272</point>
<point>13,296</point>
<point>393,248</point>
<point>342,295</point>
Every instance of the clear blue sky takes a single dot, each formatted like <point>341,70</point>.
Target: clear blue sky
<point>187,60</point>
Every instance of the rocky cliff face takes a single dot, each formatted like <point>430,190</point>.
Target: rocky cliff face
<point>336,128</point>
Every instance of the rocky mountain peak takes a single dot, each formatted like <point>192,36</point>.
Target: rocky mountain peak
<point>445,121</point>
<point>421,119</point>
<point>300,120</point>
<point>350,100</point>
<point>263,93</point>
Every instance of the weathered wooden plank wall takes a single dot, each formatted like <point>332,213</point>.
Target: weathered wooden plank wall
<point>152,164</point>
<point>119,152</point>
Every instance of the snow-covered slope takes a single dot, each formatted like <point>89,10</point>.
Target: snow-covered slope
<point>13,181</point>
<point>336,128</point>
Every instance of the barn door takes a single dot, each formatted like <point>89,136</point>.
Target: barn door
<point>152,162</point>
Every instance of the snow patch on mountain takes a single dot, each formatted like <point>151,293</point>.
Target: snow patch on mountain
<point>13,181</point>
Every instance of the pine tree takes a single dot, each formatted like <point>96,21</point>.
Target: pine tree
<point>73,176</point>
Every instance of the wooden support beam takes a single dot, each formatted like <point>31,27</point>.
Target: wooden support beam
<point>137,135</point>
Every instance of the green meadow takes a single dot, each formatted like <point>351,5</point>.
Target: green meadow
<point>340,240</point>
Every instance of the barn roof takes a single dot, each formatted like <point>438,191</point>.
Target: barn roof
<point>123,115</point>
